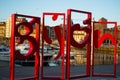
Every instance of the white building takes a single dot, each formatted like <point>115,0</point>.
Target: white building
<point>8,27</point>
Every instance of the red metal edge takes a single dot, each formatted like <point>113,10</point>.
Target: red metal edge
<point>28,78</point>
<point>104,75</point>
<point>12,47</point>
<point>79,76</point>
<point>37,55</point>
<point>68,45</point>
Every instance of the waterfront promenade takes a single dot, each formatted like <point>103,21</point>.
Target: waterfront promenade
<point>27,71</point>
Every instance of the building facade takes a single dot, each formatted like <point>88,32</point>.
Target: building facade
<point>2,29</point>
<point>79,36</point>
<point>8,25</point>
<point>2,32</point>
<point>51,32</point>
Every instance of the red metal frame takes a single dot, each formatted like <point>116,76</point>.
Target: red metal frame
<point>61,41</point>
<point>87,21</point>
<point>97,43</point>
<point>35,42</point>
<point>15,33</point>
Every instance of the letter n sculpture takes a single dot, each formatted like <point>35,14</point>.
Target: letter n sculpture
<point>98,39</point>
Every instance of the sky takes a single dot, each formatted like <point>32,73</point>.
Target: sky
<point>108,9</point>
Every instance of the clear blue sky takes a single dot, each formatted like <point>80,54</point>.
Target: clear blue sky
<point>110,9</point>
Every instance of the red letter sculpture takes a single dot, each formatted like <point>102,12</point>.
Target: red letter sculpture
<point>59,32</point>
<point>33,42</point>
<point>86,41</point>
<point>97,42</point>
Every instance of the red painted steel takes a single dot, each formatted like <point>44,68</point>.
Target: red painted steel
<point>97,41</point>
<point>12,48</point>
<point>60,33</point>
<point>60,36</point>
<point>71,41</point>
<point>33,42</point>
